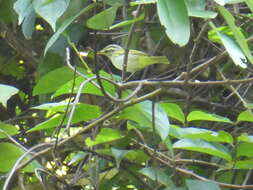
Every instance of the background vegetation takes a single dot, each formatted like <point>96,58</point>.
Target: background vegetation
<point>70,120</point>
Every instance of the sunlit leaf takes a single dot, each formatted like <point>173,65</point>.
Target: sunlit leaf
<point>83,112</point>
<point>250,4</point>
<point>245,116</point>
<point>174,111</point>
<point>173,16</point>
<point>203,116</point>
<point>105,135</point>
<point>207,135</point>
<point>6,92</point>
<point>198,145</point>
<point>244,137</point>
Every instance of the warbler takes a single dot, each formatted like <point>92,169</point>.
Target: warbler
<point>137,60</point>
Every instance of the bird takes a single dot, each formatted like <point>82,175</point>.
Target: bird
<point>137,60</point>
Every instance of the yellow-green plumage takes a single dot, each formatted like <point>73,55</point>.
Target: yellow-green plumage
<point>137,60</point>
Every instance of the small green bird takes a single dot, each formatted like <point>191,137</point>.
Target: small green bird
<point>137,60</point>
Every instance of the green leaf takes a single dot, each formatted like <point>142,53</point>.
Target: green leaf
<point>103,20</point>
<point>6,92</point>
<point>244,149</point>
<point>89,88</point>
<point>142,114</point>
<point>28,24</point>
<point>204,134</point>
<point>214,37</point>
<point>203,116</point>
<point>50,82</point>
<point>196,8</point>
<point>105,135</point>
<point>174,111</point>
<point>50,10</point>
<point>127,22</point>
<point>64,25</point>
<point>243,164</point>
<point>76,157</point>
<point>249,4</point>
<point>200,184</point>
<point>245,116</point>
<point>220,2</point>
<point>53,106</point>
<point>83,112</point>
<point>198,145</point>
<point>240,39</point>
<point>21,7</point>
<point>234,51</point>
<point>157,174</point>
<point>7,128</point>
<point>173,16</point>
<point>118,155</point>
<point>9,155</point>
<point>245,138</point>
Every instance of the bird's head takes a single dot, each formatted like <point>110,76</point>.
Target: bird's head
<point>110,50</point>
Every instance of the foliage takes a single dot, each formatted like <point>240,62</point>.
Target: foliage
<point>71,120</point>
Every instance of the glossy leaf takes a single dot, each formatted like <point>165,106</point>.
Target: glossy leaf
<point>53,106</point>
<point>198,145</point>
<point>142,114</point>
<point>83,112</point>
<point>6,93</point>
<point>64,25</point>
<point>203,116</point>
<point>29,22</point>
<point>21,7</point>
<point>174,111</point>
<point>103,20</point>
<point>105,135</point>
<point>173,16</point>
<point>245,116</point>
<point>204,134</point>
<point>51,10</point>
<point>200,184</point>
<point>240,39</point>
<point>7,128</point>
